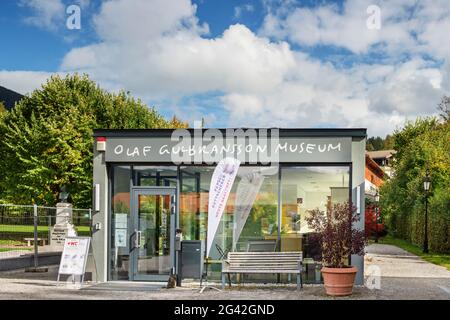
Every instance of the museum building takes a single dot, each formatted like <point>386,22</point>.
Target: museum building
<point>149,183</point>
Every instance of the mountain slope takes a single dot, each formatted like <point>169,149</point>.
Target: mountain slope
<point>9,97</point>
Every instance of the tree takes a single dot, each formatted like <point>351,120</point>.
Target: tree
<point>388,142</point>
<point>47,138</point>
<point>420,145</point>
<point>378,143</point>
<point>3,112</point>
<point>334,232</point>
<point>444,108</point>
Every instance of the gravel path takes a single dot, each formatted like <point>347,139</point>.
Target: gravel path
<point>403,276</point>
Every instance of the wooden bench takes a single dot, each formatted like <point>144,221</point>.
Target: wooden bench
<point>29,240</point>
<point>263,262</point>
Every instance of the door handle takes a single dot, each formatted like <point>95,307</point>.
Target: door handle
<point>172,205</point>
<point>137,239</point>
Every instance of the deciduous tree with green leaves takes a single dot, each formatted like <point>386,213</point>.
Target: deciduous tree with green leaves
<point>47,138</point>
<point>420,144</point>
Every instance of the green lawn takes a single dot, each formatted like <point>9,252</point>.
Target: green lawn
<point>11,249</point>
<point>441,259</point>
<point>7,242</point>
<point>30,229</point>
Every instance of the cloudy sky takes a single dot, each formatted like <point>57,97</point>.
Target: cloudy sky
<point>261,63</point>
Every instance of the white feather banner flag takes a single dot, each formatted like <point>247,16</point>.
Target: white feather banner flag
<point>219,190</point>
<point>247,190</point>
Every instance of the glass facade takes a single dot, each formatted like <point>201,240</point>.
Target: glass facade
<point>120,222</point>
<point>265,211</point>
<point>122,178</point>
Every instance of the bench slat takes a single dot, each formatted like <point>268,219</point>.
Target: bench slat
<point>263,262</point>
<point>263,258</point>
<point>263,271</point>
<point>265,252</point>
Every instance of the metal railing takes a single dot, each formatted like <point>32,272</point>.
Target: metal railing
<point>27,229</point>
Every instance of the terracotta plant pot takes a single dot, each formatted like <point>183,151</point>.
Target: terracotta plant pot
<point>339,281</point>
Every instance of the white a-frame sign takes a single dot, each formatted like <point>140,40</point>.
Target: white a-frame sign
<point>74,257</point>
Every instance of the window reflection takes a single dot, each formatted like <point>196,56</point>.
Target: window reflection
<point>120,222</point>
<point>194,192</point>
<point>254,213</point>
<point>250,219</point>
<point>161,176</point>
<point>304,189</point>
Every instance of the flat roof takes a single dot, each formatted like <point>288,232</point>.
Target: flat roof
<point>284,132</point>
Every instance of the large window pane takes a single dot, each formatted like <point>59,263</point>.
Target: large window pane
<point>249,222</point>
<point>194,193</point>
<point>152,176</point>
<point>255,195</point>
<point>253,198</point>
<point>304,189</point>
<point>120,222</point>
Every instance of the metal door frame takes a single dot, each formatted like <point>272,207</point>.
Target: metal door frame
<point>135,191</point>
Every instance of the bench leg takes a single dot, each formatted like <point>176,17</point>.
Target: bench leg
<point>223,280</point>
<point>229,280</point>
<point>299,281</point>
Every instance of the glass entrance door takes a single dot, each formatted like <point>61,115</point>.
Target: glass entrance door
<point>153,220</point>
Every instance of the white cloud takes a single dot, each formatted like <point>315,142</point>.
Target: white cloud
<point>410,89</point>
<point>238,10</point>
<point>47,14</point>
<point>83,3</point>
<point>50,14</point>
<point>144,20</point>
<point>346,27</point>
<point>186,63</point>
<point>23,82</point>
<point>243,105</point>
<point>264,83</point>
<point>158,50</point>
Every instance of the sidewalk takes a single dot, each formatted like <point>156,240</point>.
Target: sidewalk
<point>403,276</point>
<point>407,276</point>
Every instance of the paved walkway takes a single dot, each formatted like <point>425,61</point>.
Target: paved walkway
<point>24,251</point>
<point>14,253</point>
<point>403,276</point>
<point>406,276</point>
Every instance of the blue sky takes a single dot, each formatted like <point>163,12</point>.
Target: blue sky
<point>255,63</point>
<point>34,48</point>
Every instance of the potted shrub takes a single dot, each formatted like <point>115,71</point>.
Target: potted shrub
<point>333,230</point>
